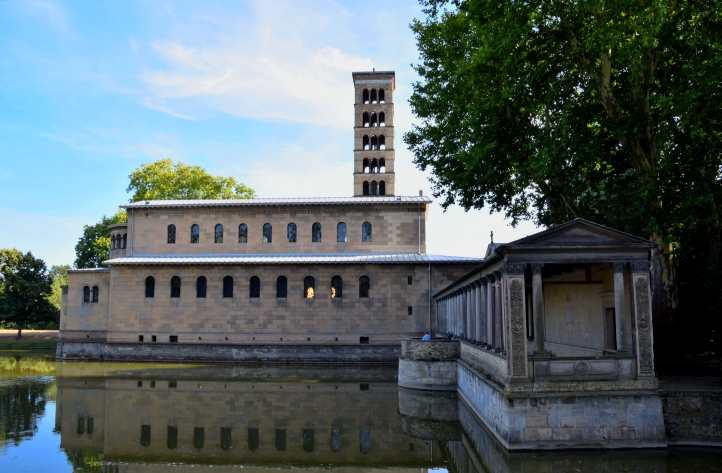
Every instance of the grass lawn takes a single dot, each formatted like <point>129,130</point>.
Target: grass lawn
<point>31,341</point>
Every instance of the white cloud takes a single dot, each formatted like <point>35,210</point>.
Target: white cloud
<point>292,62</point>
<point>275,68</point>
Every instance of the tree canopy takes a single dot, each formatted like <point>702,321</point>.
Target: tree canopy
<point>547,110</point>
<point>25,287</point>
<point>159,180</point>
<point>93,247</point>
<point>164,179</point>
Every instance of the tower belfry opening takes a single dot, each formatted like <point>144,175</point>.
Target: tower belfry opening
<point>374,133</point>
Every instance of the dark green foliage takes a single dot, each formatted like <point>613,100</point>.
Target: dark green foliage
<point>604,110</point>
<point>94,245</point>
<point>25,287</point>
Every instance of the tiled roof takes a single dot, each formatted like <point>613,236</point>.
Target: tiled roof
<point>273,201</point>
<point>292,258</point>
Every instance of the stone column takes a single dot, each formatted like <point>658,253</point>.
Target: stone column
<point>619,302</point>
<point>498,326</point>
<point>643,318</point>
<point>515,310</point>
<point>490,311</point>
<point>537,288</point>
<point>479,312</point>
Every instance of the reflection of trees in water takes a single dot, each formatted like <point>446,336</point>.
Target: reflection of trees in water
<point>22,403</point>
<point>89,461</point>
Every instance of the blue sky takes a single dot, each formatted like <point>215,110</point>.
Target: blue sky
<point>260,90</point>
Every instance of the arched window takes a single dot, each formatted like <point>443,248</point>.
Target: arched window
<point>382,165</point>
<point>243,233</point>
<point>281,287</point>
<point>309,287</point>
<point>366,231</point>
<point>112,242</point>
<point>96,293</point>
<point>341,232</point>
<point>316,232</point>
<point>382,119</point>
<point>228,286</point>
<point>374,188</point>
<point>365,119</point>
<point>374,166</point>
<point>125,240</point>
<point>373,95</point>
<point>364,286</point>
<point>365,96</point>
<point>366,167</point>
<point>195,233</point>
<point>374,142</point>
<point>201,287</point>
<point>218,233</point>
<point>336,287</point>
<point>171,234</point>
<point>374,119</point>
<point>366,142</point>
<point>175,286</point>
<point>382,188</point>
<point>382,142</point>
<point>150,286</point>
<point>291,232</point>
<point>382,96</point>
<point>366,188</point>
<point>86,293</point>
<point>267,233</point>
<point>254,288</point>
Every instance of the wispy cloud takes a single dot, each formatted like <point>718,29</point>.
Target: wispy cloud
<point>271,70</point>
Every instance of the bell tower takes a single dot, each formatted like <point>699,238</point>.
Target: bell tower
<point>373,152</point>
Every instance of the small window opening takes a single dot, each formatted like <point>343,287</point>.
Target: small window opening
<point>363,340</point>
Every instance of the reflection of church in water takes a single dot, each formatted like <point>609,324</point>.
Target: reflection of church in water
<point>249,420</point>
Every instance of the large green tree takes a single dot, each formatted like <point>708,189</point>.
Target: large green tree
<point>25,287</point>
<point>547,110</point>
<point>159,180</point>
<point>164,179</point>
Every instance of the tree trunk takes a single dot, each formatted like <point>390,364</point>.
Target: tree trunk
<point>20,333</point>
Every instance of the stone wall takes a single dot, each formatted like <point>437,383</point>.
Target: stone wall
<point>565,420</point>
<point>693,417</point>
<point>382,318</point>
<point>198,352</point>
<point>395,229</point>
<point>86,316</point>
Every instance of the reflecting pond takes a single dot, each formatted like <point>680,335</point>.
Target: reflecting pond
<point>116,417</point>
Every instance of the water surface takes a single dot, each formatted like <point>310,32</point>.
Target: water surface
<point>121,417</point>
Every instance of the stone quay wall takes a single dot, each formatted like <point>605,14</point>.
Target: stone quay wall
<point>693,417</point>
<point>632,420</point>
<point>429,364</point>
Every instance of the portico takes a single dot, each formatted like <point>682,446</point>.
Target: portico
<point>554,329</point>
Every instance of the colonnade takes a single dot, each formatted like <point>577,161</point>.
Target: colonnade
<point>474,313</point>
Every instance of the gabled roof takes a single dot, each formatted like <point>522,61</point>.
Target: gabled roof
<point>280,201</point>
<point>578,232</point>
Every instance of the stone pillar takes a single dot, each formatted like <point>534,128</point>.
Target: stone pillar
<point>643,318</point>
<point>481,319</point>
<point>490,311</point>
<point>619,303</point>
<point>537,288</point>
<point>515,310</point>
<point>498,325</point>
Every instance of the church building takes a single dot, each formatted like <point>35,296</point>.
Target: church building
<point>269,279</point>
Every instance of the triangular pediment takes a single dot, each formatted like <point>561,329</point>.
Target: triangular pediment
<point>580,232</point>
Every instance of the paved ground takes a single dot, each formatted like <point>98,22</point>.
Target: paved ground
<point>30,334</point>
